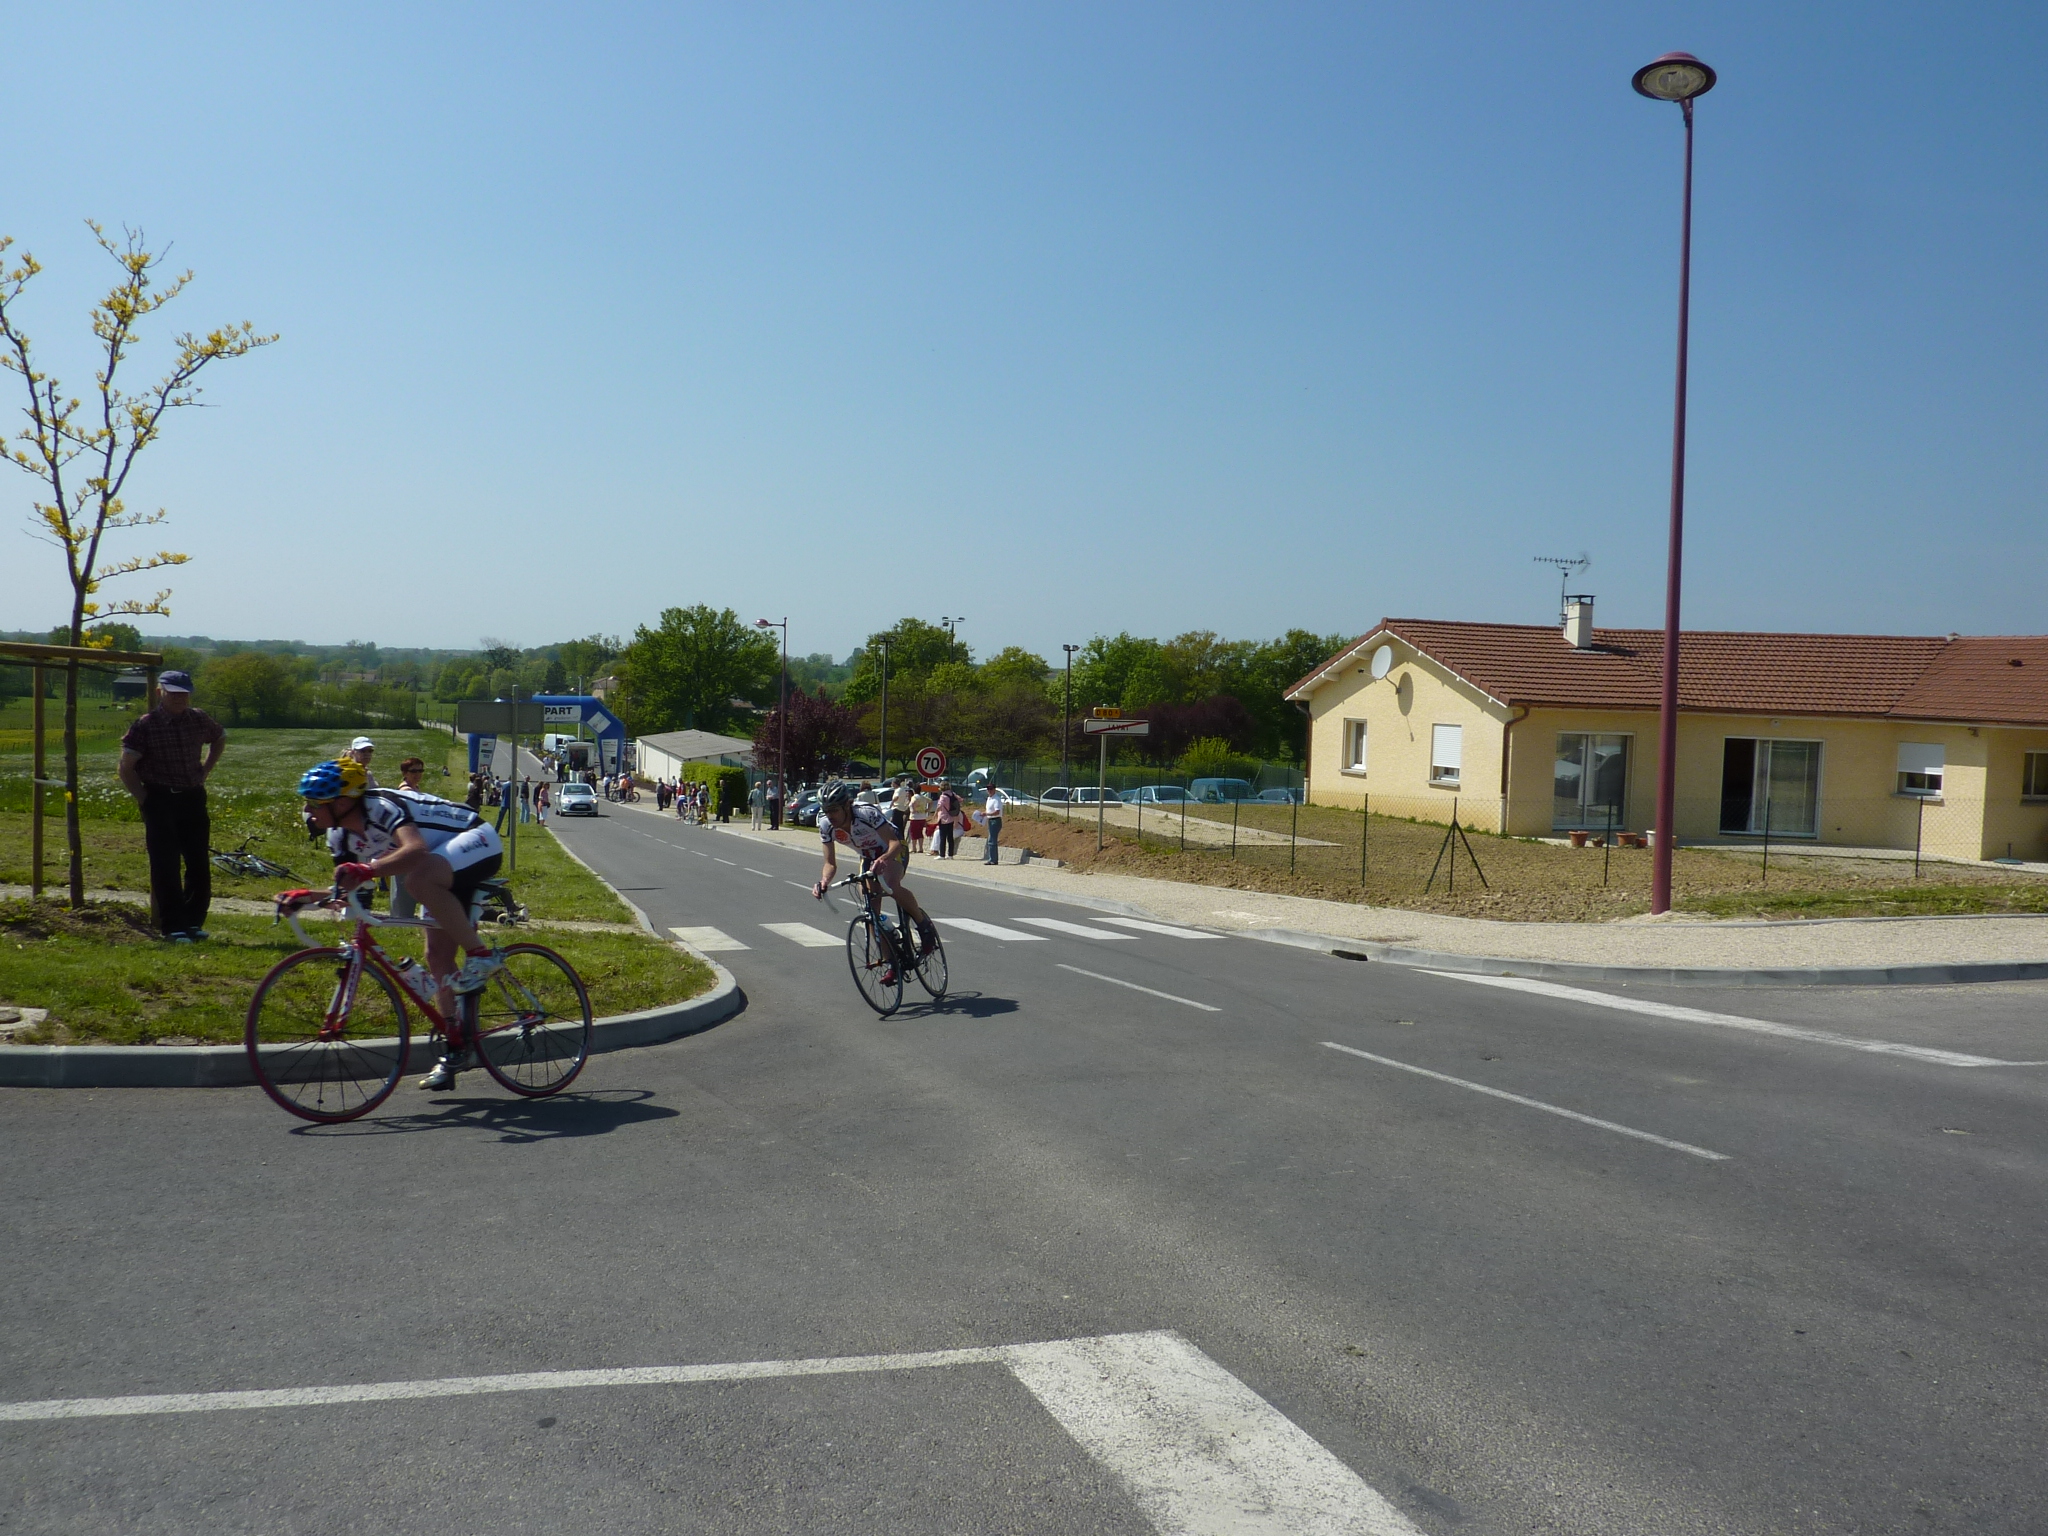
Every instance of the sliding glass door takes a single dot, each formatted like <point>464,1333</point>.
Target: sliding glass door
<point>1589,782</point>
<point>1770,786</point>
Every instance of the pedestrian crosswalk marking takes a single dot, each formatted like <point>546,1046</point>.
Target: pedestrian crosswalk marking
<point>991,931</point>
<point>1078,930</point>
<point>708,939</point>
<point>805,934</point>
<point>1167,928</point>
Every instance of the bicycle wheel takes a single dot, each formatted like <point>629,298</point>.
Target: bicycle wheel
<point>326,1042</point>
<point>931,968</point>
<point>225,863</point>
<point>262,866</point>
<point>531,1022</point>
<point>872,958</point>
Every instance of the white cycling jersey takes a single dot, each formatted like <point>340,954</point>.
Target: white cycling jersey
<point>440,822</point>
<point>869,833</point>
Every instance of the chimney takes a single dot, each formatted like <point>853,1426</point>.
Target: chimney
<point>1578,622</point>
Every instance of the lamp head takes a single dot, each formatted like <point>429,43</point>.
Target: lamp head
<point>1675,77</point>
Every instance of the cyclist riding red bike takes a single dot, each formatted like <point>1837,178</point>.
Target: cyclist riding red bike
<point>868,831</point>
<point>442,849</point>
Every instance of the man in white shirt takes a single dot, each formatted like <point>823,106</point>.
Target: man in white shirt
<point>992,813</point>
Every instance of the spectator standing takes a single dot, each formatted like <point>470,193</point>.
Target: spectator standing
<point>474,799</point>
<point>773,793</point>
<point>525,798</point>
<point>947,808</point>
<point>899,807</point>
<point>920,818</point>
<point>362,749</point>
<point>756,805</point>
<point>541,802</point>
<point>410,772</point>
<point>161,768</point>
<point>992,817</point>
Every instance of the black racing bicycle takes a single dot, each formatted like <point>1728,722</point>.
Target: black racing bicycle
<point>881,952</point>
<point>238,860</point>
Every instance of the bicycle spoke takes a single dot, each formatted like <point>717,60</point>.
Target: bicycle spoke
<point>321,1048</point>
<point>531,1026</point>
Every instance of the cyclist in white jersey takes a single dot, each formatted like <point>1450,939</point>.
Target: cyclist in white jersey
<point>443,850</point>
<point>867,830</point>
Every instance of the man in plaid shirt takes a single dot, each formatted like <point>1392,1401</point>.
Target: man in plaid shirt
<point>161,768</point>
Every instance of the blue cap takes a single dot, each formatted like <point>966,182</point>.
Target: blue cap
<point>174,682</point>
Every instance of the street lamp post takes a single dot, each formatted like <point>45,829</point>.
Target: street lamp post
<point>781,712</point>
<point>1675,77</point>
<point>958,618</point>
<point>1067,710</point>
<point>885,707</point>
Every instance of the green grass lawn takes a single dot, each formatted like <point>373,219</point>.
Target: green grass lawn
<point>106,980</point>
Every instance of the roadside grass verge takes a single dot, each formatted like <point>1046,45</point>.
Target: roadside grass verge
<point>105,980</point>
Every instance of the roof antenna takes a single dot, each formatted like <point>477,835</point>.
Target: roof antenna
<point>1566,570</point>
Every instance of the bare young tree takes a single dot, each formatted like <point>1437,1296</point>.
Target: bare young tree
<point>81,453</point>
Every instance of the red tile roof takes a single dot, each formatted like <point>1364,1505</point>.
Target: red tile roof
<point>1973,678</point>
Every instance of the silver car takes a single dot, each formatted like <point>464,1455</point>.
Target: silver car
<point>573,799</point>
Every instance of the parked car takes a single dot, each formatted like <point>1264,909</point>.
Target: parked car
<point>1088,794</point>
<point>1155,794</point>
<point>1220,791</point>
<point>1279,797</point>
<point>1058,794</point>
<point>574,799</point>
<point>803,810</point>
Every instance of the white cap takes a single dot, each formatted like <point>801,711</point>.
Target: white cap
<point>360,743</point>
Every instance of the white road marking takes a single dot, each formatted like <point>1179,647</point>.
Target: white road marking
<point>1684,1015</point>
<point>1549,1109</point>
<point>991,931</point>
<point>1118,981</point>
<point>1198,1451</point>
<point>798,884</point>
<point>728,863</point>
<point>804,934</point>
<point>1078,930</point>
<point>762,873</point>
<point>1167,928</point>
<point>708,939</point>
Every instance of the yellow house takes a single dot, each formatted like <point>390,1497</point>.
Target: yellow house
<point>1865,740</point>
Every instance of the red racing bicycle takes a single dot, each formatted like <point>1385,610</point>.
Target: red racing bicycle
<point>329,1036</point>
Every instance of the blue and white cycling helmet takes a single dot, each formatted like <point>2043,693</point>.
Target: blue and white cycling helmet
<point>332,780</point>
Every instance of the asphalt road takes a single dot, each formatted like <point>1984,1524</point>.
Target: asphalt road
<point>1515,1260</point>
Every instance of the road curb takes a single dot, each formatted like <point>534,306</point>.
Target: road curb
<point>227,1066</point>
<point>1658,975</point>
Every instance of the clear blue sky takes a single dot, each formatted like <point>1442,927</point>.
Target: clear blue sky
<point>1064,318</point>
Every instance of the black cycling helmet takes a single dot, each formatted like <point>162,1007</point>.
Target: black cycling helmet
<point>838,792</point>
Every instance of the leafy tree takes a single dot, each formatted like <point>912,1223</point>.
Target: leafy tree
<point>81,456</point>
<point>687,671</point>
<point>583,660</point>
<point>499,655</point>
<point>916,650</point>
<point>1015,666</point>
<point>822,734</point>
<point>252,688</point>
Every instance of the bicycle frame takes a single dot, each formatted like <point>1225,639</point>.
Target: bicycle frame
<point>365,948</point>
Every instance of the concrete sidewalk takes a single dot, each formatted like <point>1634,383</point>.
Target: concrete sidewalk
<point>1855,951</point>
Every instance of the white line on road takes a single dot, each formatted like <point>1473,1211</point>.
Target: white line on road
<point>1684,1015</point>
<point>708,939</point>
<point>1195,1448</point>
<point>1549,1109</point>
<point>728,863</point>
<point>762,873</point>
<point>1118,981</point>
<point>991,931</point>
<point>1167,928</point>
<point>804,934</point>
<point>1078,930</point>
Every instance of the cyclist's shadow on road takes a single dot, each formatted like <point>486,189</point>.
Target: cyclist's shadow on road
<point>961,1005</point>
<point>596,1113</point>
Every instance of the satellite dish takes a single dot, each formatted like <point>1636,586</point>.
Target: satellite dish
<point>1382,662</point>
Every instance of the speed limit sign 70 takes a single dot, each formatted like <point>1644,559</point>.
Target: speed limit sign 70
<point>931,762</point>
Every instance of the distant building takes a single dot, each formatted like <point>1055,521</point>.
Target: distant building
<point>662,756</point>
<point>1862,740</point>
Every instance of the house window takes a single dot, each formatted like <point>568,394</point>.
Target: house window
<point>1589,781</point>
<point>1770,787</point>
<point>1354,746</point>
<point>1920,766</point>
<point>2034,780</point>
<point>1446,753</point>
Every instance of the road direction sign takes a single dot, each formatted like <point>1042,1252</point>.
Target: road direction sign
<point>1117,727</point>
<point>499,717</point>
<point>931,762</point>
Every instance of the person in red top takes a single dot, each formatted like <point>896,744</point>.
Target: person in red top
<point>161,768</point>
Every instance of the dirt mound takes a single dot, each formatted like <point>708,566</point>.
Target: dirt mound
<point>104,922</point>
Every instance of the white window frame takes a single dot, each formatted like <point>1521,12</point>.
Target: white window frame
<point>2026,773</point>
<point>1921,764</point>
<point>1353,748</point>
<point>1437,774</point>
